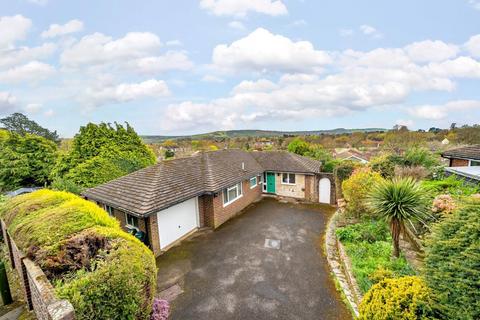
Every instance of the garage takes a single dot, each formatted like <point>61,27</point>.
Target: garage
<point>177,221</point>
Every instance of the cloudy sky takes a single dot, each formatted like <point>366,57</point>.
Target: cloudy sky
<point>180,67</point>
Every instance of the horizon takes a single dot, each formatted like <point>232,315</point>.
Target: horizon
<point>276,65</point>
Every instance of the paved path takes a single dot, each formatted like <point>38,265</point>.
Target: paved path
<point>231,274</point>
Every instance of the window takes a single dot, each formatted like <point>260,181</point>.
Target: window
<point>253,182</point>
<point>131,221</point>
<point>288,178</point>
<point>108,209</point>
<point>231,194</point>
<point>474,163</point>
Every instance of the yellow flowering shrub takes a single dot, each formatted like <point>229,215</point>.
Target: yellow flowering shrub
<point>405,298</point>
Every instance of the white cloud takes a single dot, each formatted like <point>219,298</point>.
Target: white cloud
<point>172,60</point>
<point>240,8</point>
<point>461,67</point>
<point>475,4</point>
<point>261,85</point>
<point>440,112</point>
<point>431,51</point>
<point>31,72</point>
<point>370,31</point>
<point>12,29</point>
<point>237,25</point>
<point>174,43</point>
<point>56,30</point>
<point>212,78</point>
<point>263,51</point>
<point>125,92</point>
<point>97,48</point>
<point>8,102</point>
<point>473,45</point>
<point>406,123</point>
<point>33,108</point>
<point>20,55</point>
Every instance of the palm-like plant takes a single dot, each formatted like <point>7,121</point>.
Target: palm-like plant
<point>399,201</point>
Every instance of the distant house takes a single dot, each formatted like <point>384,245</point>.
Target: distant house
<point>352,155</point>
<point>464,162</point>
<point>445,141</point>
<point>172,199</point>
<point>463,157</point>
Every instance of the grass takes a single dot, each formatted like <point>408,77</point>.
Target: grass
<point>369,247</point>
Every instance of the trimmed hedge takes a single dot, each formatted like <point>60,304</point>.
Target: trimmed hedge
<point>103,271</point>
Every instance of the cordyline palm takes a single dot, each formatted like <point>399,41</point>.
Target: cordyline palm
<point>399,201</point>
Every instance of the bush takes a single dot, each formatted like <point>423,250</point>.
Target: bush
<point>443,204</point>
<point>356,189</point>
<point>299,146</point>
<point>451,185</point>
<point>385,164</point>
<point>452,261</point>
<point>161,309</point>
<point>368,245</point>
<point>403,298</point>
<point>416,172</point>
<point>104,272</point>
<point>342,172</point>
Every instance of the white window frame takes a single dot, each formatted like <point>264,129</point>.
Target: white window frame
<point>288,178</point>
<point>470,162</point>
<point>109,210</point>
<point>128,224</point>
<point>238,187</point>
<point>256,182</point>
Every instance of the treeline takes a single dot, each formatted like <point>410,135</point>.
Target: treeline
<point>33,156</point>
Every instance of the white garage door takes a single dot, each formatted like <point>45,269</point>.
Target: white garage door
<point>177,221</point>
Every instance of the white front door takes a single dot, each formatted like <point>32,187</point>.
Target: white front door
<point>177,221</point>
<point>324,190</point>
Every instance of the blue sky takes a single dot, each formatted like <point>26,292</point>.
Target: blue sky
<point>180,67</point>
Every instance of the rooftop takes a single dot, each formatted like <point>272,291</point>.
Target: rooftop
<point>467,172</point>
<point>173,181</point>
<point>469,152</point>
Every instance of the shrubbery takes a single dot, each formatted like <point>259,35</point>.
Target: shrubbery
<point>104,272</point>
<point>402,298</point>
<point>451,185</point>
<point>357,188</point>
<point>452,262</point>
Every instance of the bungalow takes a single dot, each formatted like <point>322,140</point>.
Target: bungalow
<point>168,201</point>
<point>463,157</point>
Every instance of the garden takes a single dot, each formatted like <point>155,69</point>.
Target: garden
<point>412,237</point>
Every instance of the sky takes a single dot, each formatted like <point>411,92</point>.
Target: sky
<point>184,67</point>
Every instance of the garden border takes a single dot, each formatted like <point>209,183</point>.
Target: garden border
<point>340,265</point>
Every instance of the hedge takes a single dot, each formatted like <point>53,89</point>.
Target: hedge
<point>103,271</point>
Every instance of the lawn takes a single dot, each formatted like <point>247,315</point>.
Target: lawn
<point>369,246</point>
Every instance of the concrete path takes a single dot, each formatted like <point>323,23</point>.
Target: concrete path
<point>265,264</point>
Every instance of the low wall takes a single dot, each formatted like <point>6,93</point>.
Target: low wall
<point>39,292</point>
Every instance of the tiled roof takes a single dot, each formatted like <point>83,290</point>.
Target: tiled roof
<point>469,152</point>
<point>173,181</point>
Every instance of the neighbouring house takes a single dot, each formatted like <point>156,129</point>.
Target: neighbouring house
<point>168,201</point>
<point>352,155</point>
<point>464,162</point>
<point>463,157</point>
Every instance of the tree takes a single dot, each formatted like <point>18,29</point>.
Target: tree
<point>101,153</point>
<point>356,189</point>
<point>399,201</point>
<point>298,146</point>
<point>20,124</point>
<point>406,298</point>
<point>25,160</point>
<point>452,260</point>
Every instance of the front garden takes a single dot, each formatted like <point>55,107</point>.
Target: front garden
<point>401,199</point>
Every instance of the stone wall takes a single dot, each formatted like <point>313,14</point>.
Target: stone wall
<point>39,292</point>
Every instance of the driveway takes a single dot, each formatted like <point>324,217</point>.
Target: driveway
<point>233,273</point>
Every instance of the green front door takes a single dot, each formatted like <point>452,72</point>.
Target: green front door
<point>270,182</point>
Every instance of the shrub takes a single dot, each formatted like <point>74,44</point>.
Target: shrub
<point>103,271</point>
<point>161,309</point>
<point>343,171</point>
<point>356,189</point>
<point>452,261</point>
<point>443,204</point>
<point>299,146</point>
<point>416,172</point>
<point>369,231</point>
<point>385,164</point>
<point>403,298</point>
<point>451,185</point>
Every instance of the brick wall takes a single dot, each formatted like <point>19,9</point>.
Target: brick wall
<point>458,163</point>
<point>39,292</point>
<point>216,214</point>
<point>311,188</point>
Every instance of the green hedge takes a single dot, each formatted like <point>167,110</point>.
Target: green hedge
<point>104,272</point>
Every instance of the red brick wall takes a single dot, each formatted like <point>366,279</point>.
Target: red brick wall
<point>221,214</point>
<point>458,163</point>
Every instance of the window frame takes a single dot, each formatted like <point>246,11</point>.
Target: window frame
<point>109,210</point>
<point>477,163</point>
<point>289,174</point>
<point>225,194</point>
<point>256,182</point>
<point>127,224</point>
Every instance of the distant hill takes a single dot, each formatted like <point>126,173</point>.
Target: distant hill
<point>257,133</point>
